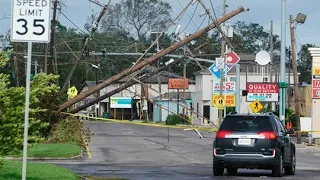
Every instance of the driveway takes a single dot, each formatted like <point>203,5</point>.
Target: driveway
<point>143,152</point>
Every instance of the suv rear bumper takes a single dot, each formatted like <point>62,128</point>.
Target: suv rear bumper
<point>246,160</point>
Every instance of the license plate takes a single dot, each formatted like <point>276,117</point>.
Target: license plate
<point>244,141</point>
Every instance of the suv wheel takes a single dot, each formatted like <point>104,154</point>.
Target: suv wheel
<point>291,169</point>
<point>232,171</point>
<point>218,170</point>
<point>278,170</point>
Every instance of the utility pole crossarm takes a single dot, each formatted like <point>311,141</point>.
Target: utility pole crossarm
<point>149,60</point>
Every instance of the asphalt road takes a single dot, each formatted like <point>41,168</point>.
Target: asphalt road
<point>143,152</point>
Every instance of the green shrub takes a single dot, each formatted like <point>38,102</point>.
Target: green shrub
<point>174,119</point>
<point>68,130</point>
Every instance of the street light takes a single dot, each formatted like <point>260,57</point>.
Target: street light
<point>301,18</point>
<point>96,79</point>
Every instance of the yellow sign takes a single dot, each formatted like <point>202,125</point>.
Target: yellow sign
<point>316,71</point>
<point>256,106</point>
<point>72,92</point>
<point>229,100</point>
<point>221,103</point>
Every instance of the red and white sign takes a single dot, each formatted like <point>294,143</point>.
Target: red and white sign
<point>232,58</point>
<point>263,92</point>
<point>316,83</point>
<point>316,89</point>
<point>228,88</point>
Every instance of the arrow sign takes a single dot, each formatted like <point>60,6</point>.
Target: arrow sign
<point>215,71</point>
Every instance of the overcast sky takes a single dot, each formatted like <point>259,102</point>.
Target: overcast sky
<point>261,11</point>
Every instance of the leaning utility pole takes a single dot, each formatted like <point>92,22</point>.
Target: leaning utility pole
<point>149,60</point>
<point>295,79</point>
<point>223,51</point>
<point>53,27</point>
<point>77,61</point>
<point>131,83</point>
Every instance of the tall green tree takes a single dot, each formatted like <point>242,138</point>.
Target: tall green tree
<point>304,63</point>
<point>137,17</point>
<point>250,38</point>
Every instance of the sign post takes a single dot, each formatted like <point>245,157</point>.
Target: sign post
<point>30,23</point>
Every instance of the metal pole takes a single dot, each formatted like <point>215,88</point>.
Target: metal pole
<point>282,61</point>
<point>211,102</point>
<point>26,113</point>
<point>35,67</point>
<point>159,82</point>
<point>238,88</point>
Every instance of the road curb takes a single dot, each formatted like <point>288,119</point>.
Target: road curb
<point>43,158</point>
<point>307,169</point>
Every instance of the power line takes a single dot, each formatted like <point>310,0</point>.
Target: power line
<point>191,17</point>
<point>72,22</point>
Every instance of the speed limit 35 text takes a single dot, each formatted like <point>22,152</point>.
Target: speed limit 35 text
<point>31,3</point>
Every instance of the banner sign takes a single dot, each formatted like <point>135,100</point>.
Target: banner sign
<point>230,100</point>
<point>228,87</point>
<point>315,78</point>
<point>175,83</point>
<point>120,102</point>
<point>263,92</point>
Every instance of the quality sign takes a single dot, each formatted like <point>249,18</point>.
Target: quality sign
<point>263,92</point>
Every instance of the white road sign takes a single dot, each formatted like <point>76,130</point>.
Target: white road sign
<point>30,21</point>
<point>220,63</point>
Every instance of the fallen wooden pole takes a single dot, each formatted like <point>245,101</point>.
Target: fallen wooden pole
<point>148,60</point>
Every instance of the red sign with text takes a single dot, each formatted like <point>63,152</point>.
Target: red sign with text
<point>262,88</point>
<point>316,89</point>
<point>263,92</point>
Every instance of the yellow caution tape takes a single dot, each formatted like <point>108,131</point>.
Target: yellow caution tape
<point>210,129</point>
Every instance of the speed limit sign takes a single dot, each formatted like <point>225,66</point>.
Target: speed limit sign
<point>30,21</point>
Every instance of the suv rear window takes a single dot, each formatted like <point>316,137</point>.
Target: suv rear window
<point>246,123</point>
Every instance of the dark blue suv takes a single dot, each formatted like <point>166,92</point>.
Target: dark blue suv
<point>255,141</point>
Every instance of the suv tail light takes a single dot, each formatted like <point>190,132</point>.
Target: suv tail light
<point>223,134</point>
<point>268,135</point>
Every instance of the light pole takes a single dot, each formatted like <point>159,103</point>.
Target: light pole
<point>97,107</point>
<point>282,84</point>
<point>300,19</point>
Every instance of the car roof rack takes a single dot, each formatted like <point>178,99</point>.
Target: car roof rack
<point>269,113</point>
